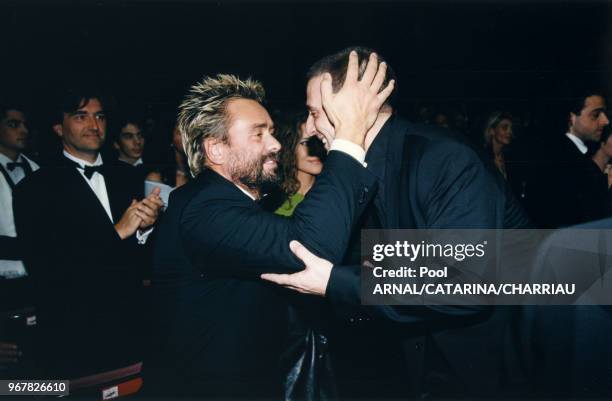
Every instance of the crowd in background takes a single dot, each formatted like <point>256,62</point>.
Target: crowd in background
<point>150,144</point>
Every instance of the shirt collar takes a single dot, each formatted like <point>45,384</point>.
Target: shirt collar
<point>578,142</point>
<point>4,160</point>
<point>250,195</point>
<point>82,162</point>
<point>136,163</point>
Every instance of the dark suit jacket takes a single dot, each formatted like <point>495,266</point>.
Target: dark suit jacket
<point>430,179</point>
<point>569,188</point>
<point>87,278</point>
<point>223,329</point>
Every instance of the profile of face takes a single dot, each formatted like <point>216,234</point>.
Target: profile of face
<point>591,121</point>
<point>305,162</point>
<point>502,132</point>
<point>251,155</point>
<point>83,131</point>
<point>130,142</point>
<point>317,122</point>
<point>13,131</point>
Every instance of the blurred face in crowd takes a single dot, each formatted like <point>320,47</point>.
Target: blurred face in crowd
<point>13,133</point>
<point>589,124</point>
<point>130,143</point>
<point>83,131</point>
<point>317,122</point>
<point>251,154</point>
<point>177,139</point>
<point>502,132</point>
<point>306,163</point>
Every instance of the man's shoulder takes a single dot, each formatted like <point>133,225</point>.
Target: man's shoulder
<point>436,144</point>
<point>208,188</point>
<point>430,137</point>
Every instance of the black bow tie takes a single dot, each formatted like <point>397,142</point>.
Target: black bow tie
<point>90,170</point>
<point>13,165</point>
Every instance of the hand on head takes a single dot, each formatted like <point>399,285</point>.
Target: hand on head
<point>355,107</point>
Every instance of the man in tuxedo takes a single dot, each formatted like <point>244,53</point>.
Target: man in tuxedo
<point>569,188</point>
<point>84,225</point>
<point>14,166</point>
<point>222,329</point>
<point>427,179</point>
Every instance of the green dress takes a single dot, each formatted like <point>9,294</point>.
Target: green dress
<point>287,208</point>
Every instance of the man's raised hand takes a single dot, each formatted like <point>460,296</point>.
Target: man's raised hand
<point>355,107</point>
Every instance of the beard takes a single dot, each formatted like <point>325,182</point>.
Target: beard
<point>249,170</point>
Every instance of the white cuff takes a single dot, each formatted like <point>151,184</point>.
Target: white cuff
<point>142,236</point>
<point>350,148</point>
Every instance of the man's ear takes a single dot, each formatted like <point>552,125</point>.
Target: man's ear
<point>115,145</point>
<point>572,119</point>
<point>215,151</point>
<point>57,128</point>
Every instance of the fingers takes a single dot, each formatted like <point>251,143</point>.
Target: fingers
<point>302,253</point>
<point>156,191</point>
<point>352,72</point>
<point>280,279</point>
<point>289,281</point>
<point>153,203</point>
<point>379,79</point>
<point>384,95</point>
<point>148,211</point>
<point>146,220</point>
<point>370,71</point>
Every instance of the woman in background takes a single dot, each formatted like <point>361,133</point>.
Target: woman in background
<point>301,160</point>
<point>306,363</point>
<point>497,136</point>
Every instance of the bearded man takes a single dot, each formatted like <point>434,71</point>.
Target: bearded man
<point>222,330</point>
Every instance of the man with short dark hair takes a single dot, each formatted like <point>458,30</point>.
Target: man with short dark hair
<point>129,141</point>
<point>427,179</point>
<point>569,188</point>
<point>15,289</point>
<point>84,222</point>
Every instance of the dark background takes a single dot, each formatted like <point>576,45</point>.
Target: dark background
<point>471,56</point>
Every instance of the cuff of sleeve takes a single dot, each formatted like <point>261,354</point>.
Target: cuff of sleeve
<point>143,236</point>
<point>344,286</point>
<point>350,148</point>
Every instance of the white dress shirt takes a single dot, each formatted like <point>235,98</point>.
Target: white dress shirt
<point>98,186</point>
<point>578,142</point>
<point>96,182</point>
<point>11,268</point>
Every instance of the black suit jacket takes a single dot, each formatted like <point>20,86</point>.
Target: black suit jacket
<point>87,279</point>
<point>431,179</point>
<point>223,329</point>
<point>569,188</point>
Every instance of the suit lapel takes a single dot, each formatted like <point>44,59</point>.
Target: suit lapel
<point>80,190</point>
<point>116,197</point>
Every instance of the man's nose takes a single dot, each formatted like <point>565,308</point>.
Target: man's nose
<point>604,119</point>
<point>273,145</point>
<point>310,126</point>
<point>94,124</point>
